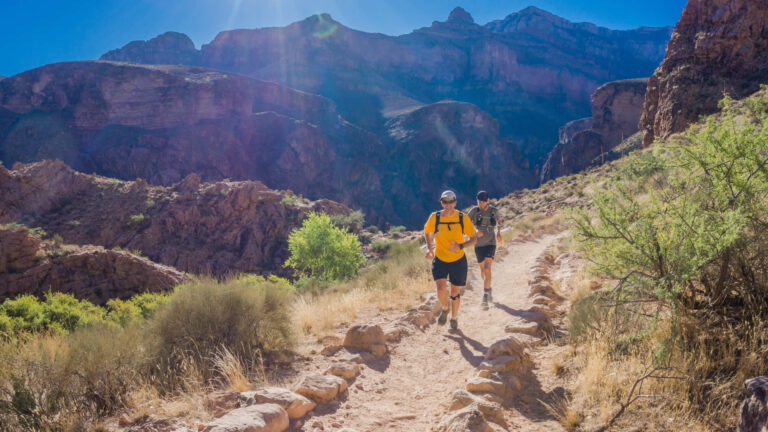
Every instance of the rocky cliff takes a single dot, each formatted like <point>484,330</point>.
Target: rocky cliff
<point>532,71</point>
<point>616,108</point>
<point>29,265</point>
<point>202,228</point>
<point>718,46</point>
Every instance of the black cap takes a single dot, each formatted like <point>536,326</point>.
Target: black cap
<point>482,196</point>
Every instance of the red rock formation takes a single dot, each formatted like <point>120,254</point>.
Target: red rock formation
<point>203,228</point>
<point>718,46</point>
<point>31,266</point>
<point>616,109</point>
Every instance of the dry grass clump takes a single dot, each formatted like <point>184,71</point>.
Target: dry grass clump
<point>393,283</point>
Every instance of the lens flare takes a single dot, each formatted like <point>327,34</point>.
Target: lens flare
<point>325,27</point>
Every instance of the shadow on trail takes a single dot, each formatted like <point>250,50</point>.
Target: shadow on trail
<point>464,340</point>
<point>531,400</point>
<point>522,313</point>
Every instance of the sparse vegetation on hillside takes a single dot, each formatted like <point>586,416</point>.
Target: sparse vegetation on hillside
<point>680,233</point>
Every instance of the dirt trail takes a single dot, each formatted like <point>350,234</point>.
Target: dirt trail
<point>410,389</point>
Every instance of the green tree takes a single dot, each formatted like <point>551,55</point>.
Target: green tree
<point>321,250</point>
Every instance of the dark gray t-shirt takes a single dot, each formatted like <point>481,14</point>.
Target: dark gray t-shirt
<point>485,221</point>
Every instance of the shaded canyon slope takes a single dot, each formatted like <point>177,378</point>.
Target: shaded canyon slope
<point>202,228</point>
<point>718,46</point>
<point>532,71</point>
<point>583,143</point>
<point>29,265</point>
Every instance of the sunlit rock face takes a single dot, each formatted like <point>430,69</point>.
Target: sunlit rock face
<point>203,228</point>
<point>532,71</point>
<point>718,46</point>
<point>163,123</point>
<point>616,110</point>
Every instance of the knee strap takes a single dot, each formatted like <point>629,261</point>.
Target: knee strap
<point>456,297</point>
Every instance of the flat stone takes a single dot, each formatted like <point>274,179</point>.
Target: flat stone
<point>254,418</point>
<point>294,404</point>
<point>321,388</point>
<point>346,370</point>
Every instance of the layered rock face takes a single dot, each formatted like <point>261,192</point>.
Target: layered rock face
<point>451,144</point>
<point>532,71</point>
<point>31,266</point>
<point>203,228</point>
<point>162,123</point>
<point>616,108</point>
<point>718,46</point>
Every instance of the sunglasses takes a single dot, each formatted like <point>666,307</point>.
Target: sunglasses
<point>447,201</point>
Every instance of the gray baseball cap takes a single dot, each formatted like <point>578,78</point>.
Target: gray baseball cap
<point>448,195</point>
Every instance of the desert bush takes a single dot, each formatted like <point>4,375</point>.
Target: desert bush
<point>353,221</point>
<point>683,231</point>
<point>397,229</point>
<point>52,382</point>
<point>59,313</point>
<point>248,316</point>
<point>321,250</point>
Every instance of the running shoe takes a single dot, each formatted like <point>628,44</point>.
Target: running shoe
<point>443,317</point>
<point>454,324</point>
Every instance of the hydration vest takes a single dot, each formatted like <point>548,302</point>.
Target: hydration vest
<point>460,222</point>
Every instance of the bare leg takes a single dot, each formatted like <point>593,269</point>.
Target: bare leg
<point>455,303</point>
<point>442,295</point>
<point>486,268</point>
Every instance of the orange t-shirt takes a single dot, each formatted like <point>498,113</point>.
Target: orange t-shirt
<point>447,234</point>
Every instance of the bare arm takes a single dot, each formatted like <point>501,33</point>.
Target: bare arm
<point>430,247</point>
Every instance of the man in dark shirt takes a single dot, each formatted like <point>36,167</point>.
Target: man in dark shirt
<point>488,224</point>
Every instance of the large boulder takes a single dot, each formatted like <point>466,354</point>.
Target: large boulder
<point>366,337</point>
<point>753,416</point>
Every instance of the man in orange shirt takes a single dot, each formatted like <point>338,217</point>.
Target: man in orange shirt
<point>449,263</point>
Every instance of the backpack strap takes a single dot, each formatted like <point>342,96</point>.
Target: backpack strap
<point>461,221</point>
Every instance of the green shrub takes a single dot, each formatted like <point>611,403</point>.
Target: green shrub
<point>248,316</point>
<point>321,250</point>
<point>397,229</point>
<point>684,233</point>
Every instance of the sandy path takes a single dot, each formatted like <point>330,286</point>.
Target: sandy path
<point>410,389</point>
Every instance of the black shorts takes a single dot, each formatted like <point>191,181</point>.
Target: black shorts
<point>455,272</point>
<point>483,252</point>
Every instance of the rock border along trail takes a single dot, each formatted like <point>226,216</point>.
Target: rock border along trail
<point>421,383</point>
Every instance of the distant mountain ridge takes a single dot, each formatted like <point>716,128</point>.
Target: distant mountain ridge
<point>532,71</point>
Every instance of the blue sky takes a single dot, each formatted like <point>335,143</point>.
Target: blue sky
<point>35,33</point>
